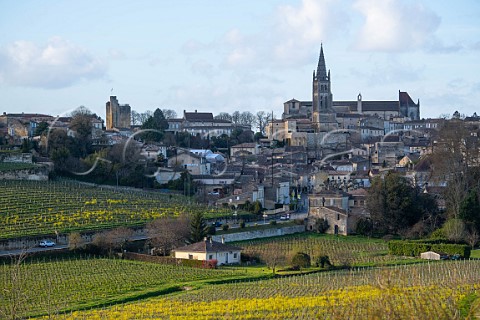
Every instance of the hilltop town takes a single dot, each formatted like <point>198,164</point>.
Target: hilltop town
<point>320,154</point>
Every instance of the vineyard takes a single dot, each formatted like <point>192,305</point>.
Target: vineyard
<point>30,208</point>
<point>45,287</point>
<point>342,251</point>
<point>438,290</point>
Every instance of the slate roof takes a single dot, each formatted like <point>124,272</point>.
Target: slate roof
<point>208,246</point>
<point>198,116</point>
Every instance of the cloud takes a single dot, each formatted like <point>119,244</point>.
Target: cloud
<point>56,64</point>
<point>390,71</point>
<point>394,25</point>
<point>298,29</point>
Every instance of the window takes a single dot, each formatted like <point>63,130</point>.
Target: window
<point>235,255</point>
<point>338,216</point>
<point>190,256</point>
<point>210,256</point>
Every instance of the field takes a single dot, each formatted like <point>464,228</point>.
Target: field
<point>46,287</point>
<point>342,251</point>
<point>435,290</point>
<point>29,208</point>
<point>9,166</point>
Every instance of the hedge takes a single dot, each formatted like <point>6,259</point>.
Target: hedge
<point>410,248</point>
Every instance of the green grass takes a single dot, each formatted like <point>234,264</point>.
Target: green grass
<point>475,254</point>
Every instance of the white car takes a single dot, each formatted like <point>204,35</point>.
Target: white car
<point>46,243</point>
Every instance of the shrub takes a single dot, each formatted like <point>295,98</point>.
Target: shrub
<point>242,224</point>
<point>321,225</point>
<point>273,222</point>
<point>323,261</point>
<point>410,248</point>
<point>225,227</point>
<point>301,260</point>
<point>211,230</point>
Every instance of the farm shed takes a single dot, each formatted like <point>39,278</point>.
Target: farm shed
<point>432,255</point>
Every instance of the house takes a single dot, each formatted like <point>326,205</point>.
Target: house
<point>432,255</point>
<point>244,149</point>
<point>210,250</point>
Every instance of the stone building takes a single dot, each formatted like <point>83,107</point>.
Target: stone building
<point>118,115</point>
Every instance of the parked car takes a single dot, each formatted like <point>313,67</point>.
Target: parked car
<point>46,243</point>
<point>285,217</point>
<point>217,224</point>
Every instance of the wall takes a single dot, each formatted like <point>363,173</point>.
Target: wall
<point>39,174</point>
<point>16,157</point>
<point>254,234</point>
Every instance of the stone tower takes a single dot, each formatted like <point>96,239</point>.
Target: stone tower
<point>323,115</point>
<point>118,115</point>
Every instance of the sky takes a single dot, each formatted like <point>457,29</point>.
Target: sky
<point>222,56</point>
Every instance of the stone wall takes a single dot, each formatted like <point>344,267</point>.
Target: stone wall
<point>39,174</point>
<point>16,157</point>
<point>255,234</point>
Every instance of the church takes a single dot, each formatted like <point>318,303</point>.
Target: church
<point>323,111</point>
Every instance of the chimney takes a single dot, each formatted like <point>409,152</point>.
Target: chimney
<point>211,240</point>
<point>205,239</point>
<point>195,110</point>
<point>223,239</point>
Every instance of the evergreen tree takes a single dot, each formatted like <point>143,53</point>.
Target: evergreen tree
<point>198,227</point>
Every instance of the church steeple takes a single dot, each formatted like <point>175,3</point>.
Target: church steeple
<point>321,68</point>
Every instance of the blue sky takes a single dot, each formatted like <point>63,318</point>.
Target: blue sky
<point>214,55</point>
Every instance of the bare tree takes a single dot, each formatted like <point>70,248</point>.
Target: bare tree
<point>13,294</point>
<point>167,233</point>
<point>135,118</point>
<point>247,118</point>
<point>224,116</point>
<point>261,121</point>
<point>472,237</point>
<point>236,117</point>
<point>76,241</point>
<point>169,113</point>
<point>273,257</point>
<point>454,230</point>
<point>114,239</point>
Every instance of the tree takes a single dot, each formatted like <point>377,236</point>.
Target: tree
<point>364,227</point>
<point>301,260</point>
<point>169,113</point>
<point>247,118</point>
<point>272,256</point>
<point>261,120</point>
<point>198,227</point>
<point>135,118</point>
<point>236,117</point>
<point>394,204</point>
<point>321,225</point>
<point>42,129</point>
<point>470,210</point>
<point>112,240</point>
<point>454,230</point>
<point>81,125</point>
<point>455,162</point>
<point>12,293</point>
<point>223,116</point>
<point>155,126</point>
<point>76,241</point>
<point>167,233</point>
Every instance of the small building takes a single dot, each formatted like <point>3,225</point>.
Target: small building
<point>210,250</point>
<point>432,255</point>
